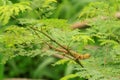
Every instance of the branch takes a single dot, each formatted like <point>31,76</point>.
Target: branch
<point>68,51</point>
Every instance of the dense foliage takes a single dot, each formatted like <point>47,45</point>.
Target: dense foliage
<point>38,28</point>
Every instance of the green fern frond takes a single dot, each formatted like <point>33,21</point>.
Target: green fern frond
<point>8,11</point>
<point>110,42</point>
<point>16,35</point>
<point>84,38</point>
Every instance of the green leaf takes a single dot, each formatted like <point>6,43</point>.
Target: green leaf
<point>70,76</point>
